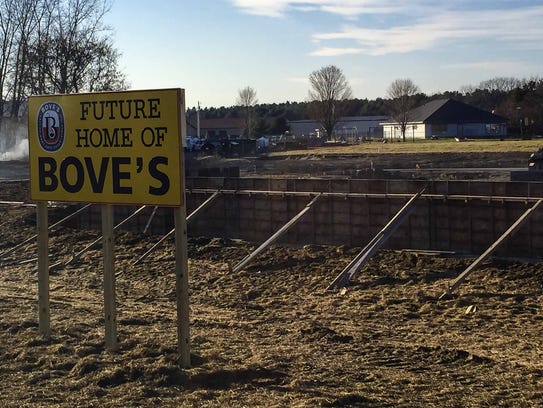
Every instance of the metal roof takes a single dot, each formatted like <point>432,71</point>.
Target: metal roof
<point>450,111</point>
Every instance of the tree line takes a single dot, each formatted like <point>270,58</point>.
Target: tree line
<point>55,46</point>
<point>519,101</point>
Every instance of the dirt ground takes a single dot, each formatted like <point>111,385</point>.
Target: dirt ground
<point>270,335</point>
<point>477,165</point>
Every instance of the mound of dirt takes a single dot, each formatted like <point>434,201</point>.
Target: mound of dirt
<point>269,335</point>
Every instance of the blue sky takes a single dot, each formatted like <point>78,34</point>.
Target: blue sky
<point>214,48</point>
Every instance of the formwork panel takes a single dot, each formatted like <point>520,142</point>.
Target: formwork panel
<point>404,186</point>
<point>278,184</point>
<point>482,226</point>
<point>377,187</point>
<point>359,234</point>
<point>482,240</point>
<point>536,189</point>
<point>359,219</point>
<point>262,202</point>
<point>461,242</point>
<point>313,185</point>
<point>537,242</point>
<point>244,202</point>
<point>419,234</point>
<point>262,184</point>
<point>263,227</point>
<point>341,218</point>
<point>499,189</point>
<point>360,186</point>
<point>322,210</point>
<point>440,187</point>
<point>442,240</point>
<point>458,187</point>
<point>278,204</point>
<point>340,186</point>
<point>216,183</point>
<point>340,205</point>
<point>446,224</point>
<point>481,188</point>
<point>517,189</point>
<point>260,215</point>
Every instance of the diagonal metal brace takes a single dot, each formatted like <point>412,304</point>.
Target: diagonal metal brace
<point>375,244</point>
<point>490,249</point>
<point>275,236</point>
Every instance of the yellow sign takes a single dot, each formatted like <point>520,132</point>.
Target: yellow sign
<point>113,147</point>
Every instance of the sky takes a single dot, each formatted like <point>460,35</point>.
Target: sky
<point>215,48</point>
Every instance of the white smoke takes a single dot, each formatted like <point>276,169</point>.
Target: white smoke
<point>13,140</point>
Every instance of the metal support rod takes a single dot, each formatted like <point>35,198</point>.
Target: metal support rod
<point>97,240</point>
<point>373,246</point>
<point>150,219</point>
<point>461,197</point>
<point>490,249</point>
<point>193,214</point>
<point>275,236</point>
<point>56,224</point>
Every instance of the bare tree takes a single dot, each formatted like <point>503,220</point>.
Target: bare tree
<point>55,46</point>
<point>8,35</point>
<point>247,100</point>
<point>26,15</point>
<point>401,93</point>
<point>500,84</point>
<point>329,88</point>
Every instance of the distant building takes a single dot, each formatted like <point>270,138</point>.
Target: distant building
<point>448,118</point>
<point>348,127</point>
<point>219,129</point>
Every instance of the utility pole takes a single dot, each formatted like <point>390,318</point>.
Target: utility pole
<point>198,121</point>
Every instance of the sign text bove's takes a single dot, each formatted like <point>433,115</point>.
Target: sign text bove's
<point>118,147</point>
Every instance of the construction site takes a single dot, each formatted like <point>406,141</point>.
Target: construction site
<point>313,290</point>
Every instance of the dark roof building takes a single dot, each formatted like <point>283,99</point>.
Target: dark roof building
<point>217,129</point>
<point>447,118</point>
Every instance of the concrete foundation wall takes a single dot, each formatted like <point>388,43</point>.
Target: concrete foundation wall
<point>460,216</point>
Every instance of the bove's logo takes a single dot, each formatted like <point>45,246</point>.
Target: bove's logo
<point>51,127</point>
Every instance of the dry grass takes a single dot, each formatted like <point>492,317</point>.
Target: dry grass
<point>426,146</point>
<point>271,336</point>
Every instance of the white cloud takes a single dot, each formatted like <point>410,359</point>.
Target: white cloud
<point>416,24</point>
<point>521,27</point>
<point>272,8</point>
<point>348,8</point>
<point>334,52</point>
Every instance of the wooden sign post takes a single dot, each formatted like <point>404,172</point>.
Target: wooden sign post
<point>108,255</point>
<point>44,320</point>
<point>182,286</point>
<point>110,148</point>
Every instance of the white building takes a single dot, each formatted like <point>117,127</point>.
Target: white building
<point>348,128</point>
<point>447,118</point>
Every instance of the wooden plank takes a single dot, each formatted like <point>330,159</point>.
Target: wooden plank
<point>490,250</point>
<point>182,287</point>
<point>110,310</point>
<point>275,236</point>
<point>44,318</point>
